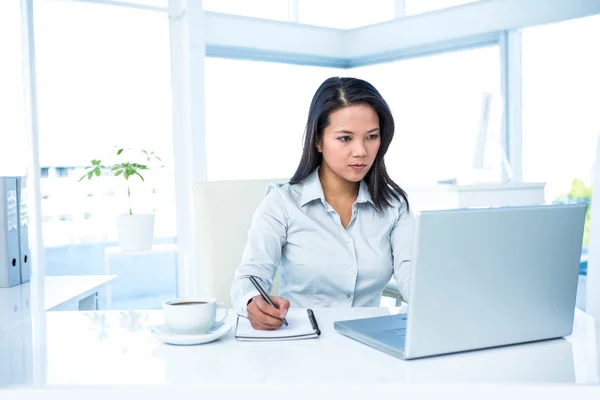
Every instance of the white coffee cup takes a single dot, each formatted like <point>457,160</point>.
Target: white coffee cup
<point>192,315</point>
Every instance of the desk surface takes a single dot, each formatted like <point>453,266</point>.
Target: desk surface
<point>58,290</point>
<point>61,289</point>
<point>117,347</point>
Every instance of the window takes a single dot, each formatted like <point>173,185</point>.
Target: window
<point>414,7</point>
<point>345,14</point>
<point>107,85</point>
<point>266,9</point>
<point>561,118</point>
<point>257,133</point>
<point>153,3</point>
<point>44,172</point>
<point>13,155</point>
<point>62,172</point>
<point>561,105</point>
<point>436,102</point>
<point>65,217</point>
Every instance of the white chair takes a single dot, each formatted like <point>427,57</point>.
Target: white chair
<point>223,214</point>
<point>391,290</point>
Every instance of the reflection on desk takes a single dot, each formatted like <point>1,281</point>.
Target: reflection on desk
<point>117,347</point>
<point>301,391</point>
<point>59,291</point>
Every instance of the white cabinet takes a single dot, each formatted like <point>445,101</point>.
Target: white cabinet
<point>444,196</point>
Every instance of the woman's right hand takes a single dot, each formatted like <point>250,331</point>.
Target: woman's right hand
<point>263,316</point>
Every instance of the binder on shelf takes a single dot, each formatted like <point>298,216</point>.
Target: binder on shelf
<point>10,265</point>
<point>24,254</point>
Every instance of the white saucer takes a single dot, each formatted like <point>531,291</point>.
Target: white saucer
<point>166,335</point>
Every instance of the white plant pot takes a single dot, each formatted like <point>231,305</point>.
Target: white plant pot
<point>135,232</point>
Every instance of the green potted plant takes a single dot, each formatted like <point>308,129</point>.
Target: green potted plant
<point>135,230</point>
<point>579,193</point>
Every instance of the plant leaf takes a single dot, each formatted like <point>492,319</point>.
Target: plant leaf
<point>90,174</point>
<point>138,174</point>
<point>119,151</point>
<point>97,171</point>
<point>119,172</point>
<point>578,189</point>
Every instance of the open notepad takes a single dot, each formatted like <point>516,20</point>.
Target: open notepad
<point>302,324</point>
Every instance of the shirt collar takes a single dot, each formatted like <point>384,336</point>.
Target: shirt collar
<point>363,193</point>
<point>313,190</point>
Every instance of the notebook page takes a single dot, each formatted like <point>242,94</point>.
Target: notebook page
<point>297,318</point>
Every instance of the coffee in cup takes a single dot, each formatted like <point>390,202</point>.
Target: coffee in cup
<point>192,315</point>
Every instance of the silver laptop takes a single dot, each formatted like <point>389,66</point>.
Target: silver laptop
<point>484,278</point>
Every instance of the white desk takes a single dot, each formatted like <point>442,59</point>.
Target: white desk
<point>59,292</point>
<point>117,347</point>
<point>302,391</point>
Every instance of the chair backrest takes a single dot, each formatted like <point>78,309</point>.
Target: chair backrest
<point>223,215</point>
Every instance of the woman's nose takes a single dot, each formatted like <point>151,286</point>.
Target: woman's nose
<point>359,149</point>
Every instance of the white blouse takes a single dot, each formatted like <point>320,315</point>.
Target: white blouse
<point>321,263</point>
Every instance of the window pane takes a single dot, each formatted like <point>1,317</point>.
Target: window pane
<point>561,117</point>
<point>267,9</point>
<point>13,157</point>
<point>414,7</point>
<point>345,14</point>
<point>152,3</point>
<point>98,89</point>
<point>436,102</point>
<point>254,129</point>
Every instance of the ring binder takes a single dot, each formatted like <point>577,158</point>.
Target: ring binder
<point>23,227</point>
<point>10,265</point>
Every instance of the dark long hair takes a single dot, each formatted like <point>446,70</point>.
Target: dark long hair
<point>336,93</point>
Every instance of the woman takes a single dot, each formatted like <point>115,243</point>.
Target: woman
<point>341,227</point>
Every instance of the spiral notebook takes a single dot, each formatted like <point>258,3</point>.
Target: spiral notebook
<point>302,324</point>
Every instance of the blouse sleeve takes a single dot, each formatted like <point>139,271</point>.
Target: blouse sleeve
<point>262,254</point>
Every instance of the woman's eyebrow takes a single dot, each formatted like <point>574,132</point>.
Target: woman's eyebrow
<point>345,131</point>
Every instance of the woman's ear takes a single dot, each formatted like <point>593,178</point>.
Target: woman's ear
<point>319,147</point>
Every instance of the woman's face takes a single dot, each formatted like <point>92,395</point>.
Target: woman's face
<point>350,142</point>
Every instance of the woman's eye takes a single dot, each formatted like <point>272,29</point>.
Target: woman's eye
<point>344,138</point>
<point>373,136</point>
